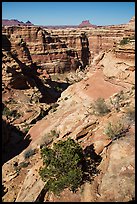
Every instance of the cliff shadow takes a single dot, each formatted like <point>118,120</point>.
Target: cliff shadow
<point>92,160</point>
<point>6,44</point>
<point>13,141</point>
<point>53,92</point>
<point>50,93</point>
<point>25,49</point>
<point>85,52</point>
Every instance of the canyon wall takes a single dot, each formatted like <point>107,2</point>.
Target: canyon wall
<point>60,50</point>
<point>33,44</point>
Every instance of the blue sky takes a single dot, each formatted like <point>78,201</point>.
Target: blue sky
<point>69,13</point>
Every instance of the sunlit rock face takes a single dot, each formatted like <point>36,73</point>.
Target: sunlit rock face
<point>60,50</point>
<point>48,50</point>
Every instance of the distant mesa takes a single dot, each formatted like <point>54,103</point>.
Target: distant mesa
<point>86,23</point>
<point>14,22</point>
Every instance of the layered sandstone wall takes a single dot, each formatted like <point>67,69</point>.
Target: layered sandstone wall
<point>99,39</point>
<point>60,50</point>
<point>46,49</point>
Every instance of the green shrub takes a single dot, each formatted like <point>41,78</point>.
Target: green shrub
<point>59,89</point>
<point>99,107</point>
<point>24,164</point>
<point>26,129</point>
<point>48,138</point>
<point>133,87</point>
<point>54,133</point>
<point>130,114</point>
<point>116,101</point>
<point>6,111</point>
<point>66,98</point>
<point>116,130</point>
<point>124,41</point>
<point>10,113</point>
<point>62,167</point>
<point>54,107</point>
<point>30,152</point>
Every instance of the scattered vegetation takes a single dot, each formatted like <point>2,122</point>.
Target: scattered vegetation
<point>116,130</point>
<point>99,107</point>
<point>30,152</point>
<point>21,165</point>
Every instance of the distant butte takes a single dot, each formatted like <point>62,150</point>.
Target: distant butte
<point>86,24</point>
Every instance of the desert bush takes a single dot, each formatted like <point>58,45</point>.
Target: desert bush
<point>116,101</point>
<point>115,130</point>
<point>99,107</point>
<point>130,114</point>
<point>10,113</point>
<point>45,140</point>
<point>59,89</point>
<point>66,98</point>
<point>54,133</point>
<point>48,138</point>
<point>26,129</point>
<point>54,107</point>
<point>124,41</point>
<point>30,152</point>
<point>24,164</point>
<point>6,111</point>
<point>133,87</point>
<point>62,167</point>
